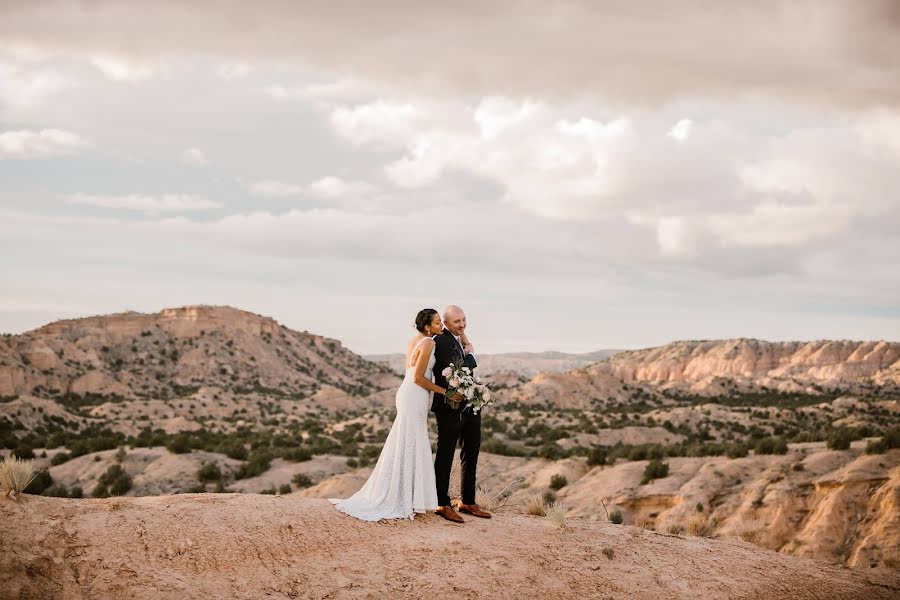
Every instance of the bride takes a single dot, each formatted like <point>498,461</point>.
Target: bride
<point>402,482</point>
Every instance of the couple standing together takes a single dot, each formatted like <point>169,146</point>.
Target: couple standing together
<point>405,481</point>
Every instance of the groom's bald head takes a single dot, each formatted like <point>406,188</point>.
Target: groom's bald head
<point>455,319</point>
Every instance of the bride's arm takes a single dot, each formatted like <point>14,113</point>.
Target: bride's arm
<point>425,351</point>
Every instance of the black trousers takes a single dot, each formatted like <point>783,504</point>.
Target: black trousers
<point>456,426</point>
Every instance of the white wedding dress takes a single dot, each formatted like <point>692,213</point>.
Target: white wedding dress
<point>402,482</point>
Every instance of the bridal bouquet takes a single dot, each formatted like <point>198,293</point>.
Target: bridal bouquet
<point>461,379</point>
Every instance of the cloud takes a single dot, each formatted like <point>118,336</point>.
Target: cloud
<point>326,187</point>
<point>335,187</point>
<point>681,130</point>
<point>25,85</point>
<point>234,70</point>
<point>832,52</point>
<point>150,205</point>
<point>38,144</point>
<point>194,157</point>
<point>124,70</point>
<point>276,189</point>
<point>379,121</point>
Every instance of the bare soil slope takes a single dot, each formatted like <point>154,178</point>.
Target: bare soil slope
<point>256,546</point>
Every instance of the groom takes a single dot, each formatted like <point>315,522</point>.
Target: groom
<point>455,424</point>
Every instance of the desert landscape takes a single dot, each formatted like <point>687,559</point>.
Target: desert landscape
<point>741,446</point>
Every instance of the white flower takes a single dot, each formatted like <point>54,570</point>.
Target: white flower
<point>453,381</point>
<point>446,372</point>
<point>487,395</point>
<point>467,369</point>
<point>470,393</point>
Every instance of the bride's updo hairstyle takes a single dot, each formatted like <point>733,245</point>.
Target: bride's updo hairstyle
<point>424,318</point>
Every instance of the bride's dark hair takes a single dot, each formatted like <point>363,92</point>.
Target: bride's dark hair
<point>424,318</point>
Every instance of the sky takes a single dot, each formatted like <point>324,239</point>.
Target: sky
<point>576,175</point>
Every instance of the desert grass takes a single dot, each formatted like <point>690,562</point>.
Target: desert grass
<point>749,530</point>
<point>674,528</point>
<point>491,500</point>
<point>701,525</point>
<point>648,524</point>
<point>609,553</point>
<point>536,506</point>
<point>556,514</point>
<point>15,475</point>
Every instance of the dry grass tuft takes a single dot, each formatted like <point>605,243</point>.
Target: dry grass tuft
<point>535,506</point>
<point>492,500</point>
<point>15,475</point>
<point>649,524</point>
<point>556,514</point>
<point>749,530</point>
<point>609,553</point>
<point>702,525</point>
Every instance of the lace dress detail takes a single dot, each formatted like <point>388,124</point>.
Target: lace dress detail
<point>402,482</point>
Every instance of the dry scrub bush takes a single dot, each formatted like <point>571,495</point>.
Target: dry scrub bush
<point>535,506</point>
<point>15,475</point>
<point>556,514</point>
<point>701,525</point>
<point>749,530</point>
<point>491,500</point>
<point>674,528</point>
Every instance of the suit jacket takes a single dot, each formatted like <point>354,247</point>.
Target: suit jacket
<point>446,351</point>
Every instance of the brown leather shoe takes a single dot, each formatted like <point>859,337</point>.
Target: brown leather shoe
<point>448,513</point>
<point>474,510</point>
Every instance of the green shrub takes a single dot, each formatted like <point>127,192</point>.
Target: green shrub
<point>655,469</point>
<point>60,457</point>
<point>302,480</point>
<point>209,472</point>
<point>889,439</point>
<point>840,438</point>
<point>284,488</point>
<point>257,463</point>
<point>235,450</point>
<point>297,454</point>
<point>596,456</point>
<point>42,480</point>
<point>771,445</point>
<point>114,482</point>
<point>180,444</point>
<point>736,450</point>
<point>558,482</point>
<point>616,517</point>
<point>549,497</point>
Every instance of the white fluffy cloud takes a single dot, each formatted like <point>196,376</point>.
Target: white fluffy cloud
<point>194,157</point>
<point>38,144</point>
<point>148,204</point>
<point>631,160</point>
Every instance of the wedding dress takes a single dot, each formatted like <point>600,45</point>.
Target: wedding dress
<point>402,482</point>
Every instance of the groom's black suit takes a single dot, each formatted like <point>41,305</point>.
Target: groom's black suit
<point>454,425</point>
